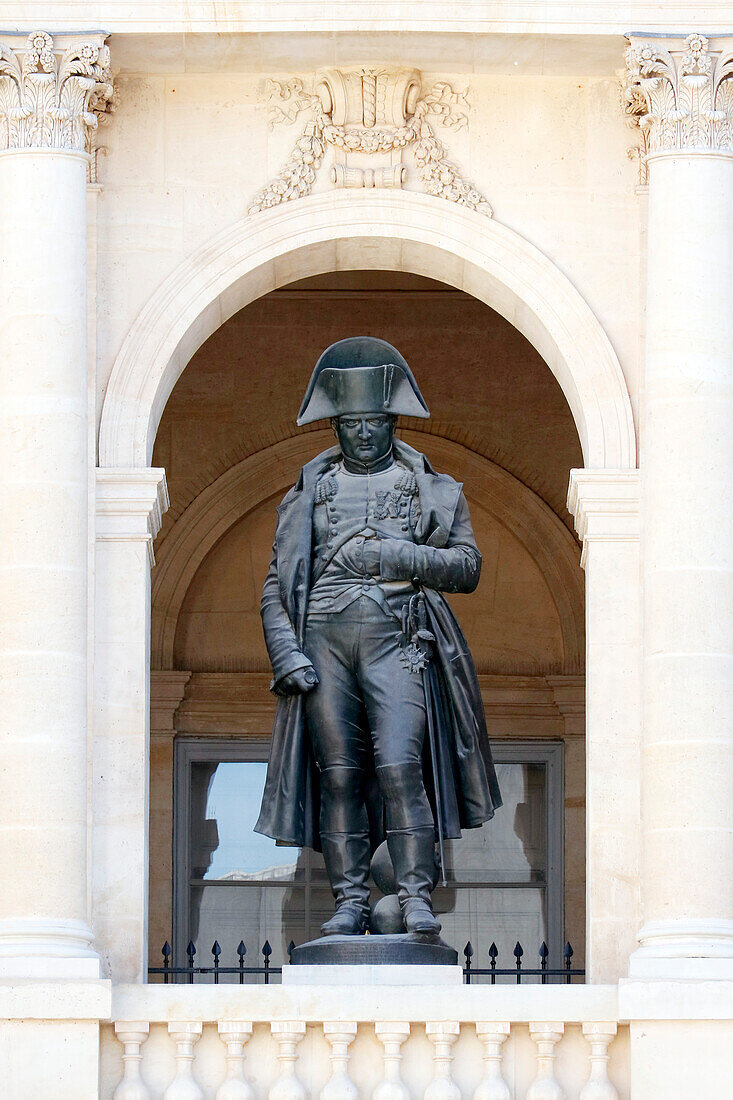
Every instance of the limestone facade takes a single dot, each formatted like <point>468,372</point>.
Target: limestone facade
<point>540,215</point>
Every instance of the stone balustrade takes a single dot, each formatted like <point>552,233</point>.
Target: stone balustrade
<point>345,1041</point>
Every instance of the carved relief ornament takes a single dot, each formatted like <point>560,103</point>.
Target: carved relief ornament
<point>52,95</point>
<point>680,94</point>
<point>368,119</point>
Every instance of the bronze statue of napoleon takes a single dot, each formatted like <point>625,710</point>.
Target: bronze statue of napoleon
<point>379,731</point>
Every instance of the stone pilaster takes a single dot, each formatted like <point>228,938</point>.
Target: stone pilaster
<point>605,506</point>
<point>130,506</point>
<point>682,91</point>
<point>50,92</point>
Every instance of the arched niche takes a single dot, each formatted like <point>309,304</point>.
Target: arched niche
<point>401,231</point>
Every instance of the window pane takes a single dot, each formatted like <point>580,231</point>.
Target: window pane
<point>250,913</point>
<point>512,847</point>
<point>501,916</point>
<point>225,804</point>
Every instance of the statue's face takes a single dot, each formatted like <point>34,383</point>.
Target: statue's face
<point>365,437</point>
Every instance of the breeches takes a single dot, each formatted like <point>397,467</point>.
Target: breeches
<point>366,703</point>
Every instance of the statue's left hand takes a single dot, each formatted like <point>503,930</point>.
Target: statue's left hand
<point>299,682</point>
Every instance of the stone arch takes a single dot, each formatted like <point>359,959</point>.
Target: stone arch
<point>342,231</point>
<point>241,488</point>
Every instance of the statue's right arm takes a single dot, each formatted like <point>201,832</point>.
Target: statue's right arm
<point>286,657</point>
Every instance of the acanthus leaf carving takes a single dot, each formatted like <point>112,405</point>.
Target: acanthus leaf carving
<point>679,94</point>
<point>362,114</point>
<point>50,97</point>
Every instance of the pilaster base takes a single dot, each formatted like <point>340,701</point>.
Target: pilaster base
<point>47,949</point>
<point>684,949</point>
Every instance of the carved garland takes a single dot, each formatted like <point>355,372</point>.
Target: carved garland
<point>680,100</point>
<point>51,99</point>
<point>290,99</point>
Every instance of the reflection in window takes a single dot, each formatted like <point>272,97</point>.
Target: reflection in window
<point>504,879</point>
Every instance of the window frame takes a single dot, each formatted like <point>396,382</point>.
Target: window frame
<point>550,753</point>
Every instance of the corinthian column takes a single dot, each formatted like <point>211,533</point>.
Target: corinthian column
<point>49,93</point>
<point>682,92</point>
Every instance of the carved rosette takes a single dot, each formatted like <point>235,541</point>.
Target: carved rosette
<point>368,119</point>
<point>51,96</point>
<point>680,94</point>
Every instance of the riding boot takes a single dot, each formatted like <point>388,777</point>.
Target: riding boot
<point>346,856</point>
<point>413,857</point>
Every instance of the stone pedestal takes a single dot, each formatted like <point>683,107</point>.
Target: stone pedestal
<point>406,949</point>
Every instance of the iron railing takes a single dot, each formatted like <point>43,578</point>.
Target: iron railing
<point>172,973</point>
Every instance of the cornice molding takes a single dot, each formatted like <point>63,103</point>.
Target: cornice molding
<point>367,119</point>
<point>680,94</point>
<point>53,91</point>
<point>130,505</point>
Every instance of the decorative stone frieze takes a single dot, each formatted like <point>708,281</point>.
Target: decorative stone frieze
<point>680,94</point>
<point>368,119</point>
<point>53,92</point>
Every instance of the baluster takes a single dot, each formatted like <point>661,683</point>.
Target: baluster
<point>132,1036</point>
<point>600,1036</point>
<point>442,1036</point>
<point>391,1036</point>
<point>288,1034</point>
<point>545,1085</point>
<point>235,1034</point>
<point>183,1087</point>
<point>492,1086</point>
<point>339,1085</point>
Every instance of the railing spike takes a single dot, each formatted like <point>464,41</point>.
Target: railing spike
<point>241,950</point>
<point>493,952</point>
<point>468,950</point>
<point>567,951</point>
<point>216,949</point>
<point>266,949</point>
<point>191,949</point>
<point>544,952</point>
<point>291,948</point>
<point>167,950</point>
<point>518,951</point>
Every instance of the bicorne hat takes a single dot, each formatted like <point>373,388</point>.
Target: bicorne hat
<point>361,375</point>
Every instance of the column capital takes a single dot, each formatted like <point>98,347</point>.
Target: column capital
<point>130,505</point>
<point>53,89</point>
<point>604,505</point>
<point>680,93</point>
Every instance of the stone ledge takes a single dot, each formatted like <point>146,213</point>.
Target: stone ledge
<point>521,1004</point>
<point>28,999</point>
<point>675,1000</point>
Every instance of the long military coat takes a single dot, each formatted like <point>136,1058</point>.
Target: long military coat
<point>466,776</point>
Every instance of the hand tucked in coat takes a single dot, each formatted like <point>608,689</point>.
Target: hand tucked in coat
<point>361,555</point>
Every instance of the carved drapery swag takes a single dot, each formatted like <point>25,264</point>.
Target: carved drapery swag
<point>679,94</point>
<point>369,118</point>
<point>51,97</point>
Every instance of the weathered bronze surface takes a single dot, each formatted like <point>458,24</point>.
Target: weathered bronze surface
<point>379,731</point>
